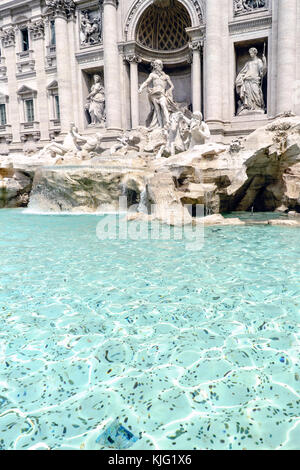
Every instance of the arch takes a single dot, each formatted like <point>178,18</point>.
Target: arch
<point>164,29</point>
<point>195,9</point>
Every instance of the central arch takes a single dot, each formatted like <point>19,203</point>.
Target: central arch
<point>164,28</point>
<point>195,9</point>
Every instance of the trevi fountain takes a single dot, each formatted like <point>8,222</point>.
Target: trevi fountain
<point>143,339</point>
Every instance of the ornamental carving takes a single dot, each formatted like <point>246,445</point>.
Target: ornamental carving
<point>242,7</point>
<point>37,29</point>
<point>139,3</point>
<point>196,46</point>
<point>91,26</point>
<point>133,58</point>
<point>8,36</point>
<point>61,7</point>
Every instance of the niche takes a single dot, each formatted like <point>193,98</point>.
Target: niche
<point>251,104</point>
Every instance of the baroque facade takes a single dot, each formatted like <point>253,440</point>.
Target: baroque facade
<point>83,62</point>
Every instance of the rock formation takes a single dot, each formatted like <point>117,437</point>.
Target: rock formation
<point>260,173</point>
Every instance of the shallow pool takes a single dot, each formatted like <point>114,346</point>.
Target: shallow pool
<point>188,350</point>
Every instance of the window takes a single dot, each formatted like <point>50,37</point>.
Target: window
<point>3,120</point>
<point>57,108</point>
<point>29,110</point>
<point>52,33</point>
<point>25,39</point>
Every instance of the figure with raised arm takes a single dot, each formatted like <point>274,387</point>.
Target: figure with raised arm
<point>160,94</point>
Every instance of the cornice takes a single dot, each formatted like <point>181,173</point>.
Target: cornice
<point>250,24</point>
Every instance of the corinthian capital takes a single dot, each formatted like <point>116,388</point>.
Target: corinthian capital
<point>8,36</point>
<point>196,45</point>
<point>61,7</point>
<point>133,58</point>
<point>37,28</point>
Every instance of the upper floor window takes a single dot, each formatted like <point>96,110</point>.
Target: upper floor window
<point>24,39</point>
<point>3,120</point>
<point>57,108</point>
<point>52,33</point>
<point>29,110</point>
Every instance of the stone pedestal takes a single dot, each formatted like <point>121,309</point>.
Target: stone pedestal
<point>286,59</point>
<point>111,65</point>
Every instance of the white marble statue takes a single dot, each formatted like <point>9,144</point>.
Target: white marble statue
<point>174,142</point>
<point>249,84</point>
<point>95,105</point>
<point>160,95</point>
<point>75,145</point>
<point>70,144</point>
<point>199,131</point>
<point>90,29</point>
<point>196,133</point>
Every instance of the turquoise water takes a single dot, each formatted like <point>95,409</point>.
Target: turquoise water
<point>189,350</point>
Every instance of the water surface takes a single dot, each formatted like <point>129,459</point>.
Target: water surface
<point>189,350</point>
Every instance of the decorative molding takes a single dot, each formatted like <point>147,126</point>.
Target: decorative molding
<point>8,36</point>
<point>26,131</point>
<point>196,45</point>
<point>131,58</point>
<point>246,7</point>
<point>198,16</point>
<point>37,29</point>
<point>250,24</point>
<point>180,56</point>
<point>86,57</point>
<point>26,91</point>
<point>65,8</point>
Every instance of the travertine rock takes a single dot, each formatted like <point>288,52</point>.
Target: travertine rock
<point>15,187</point>
<point>262,173</point>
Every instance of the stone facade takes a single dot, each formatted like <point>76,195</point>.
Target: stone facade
<point>51,51</point>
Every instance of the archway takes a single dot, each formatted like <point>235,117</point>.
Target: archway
<point>162,26</point>
<point>161,33</point>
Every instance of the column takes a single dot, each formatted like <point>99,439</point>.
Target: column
<point>111,65</point>
<point>134,89</point>
<point>72,31</point>
<point>37,36</point>
<point>213,61</point>
<point>63,71</point>
<point>8,41</point>
<point>286,56</point>
<point>196,48</point>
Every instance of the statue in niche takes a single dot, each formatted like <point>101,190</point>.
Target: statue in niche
<point>160,97</point>
<point>95,106</point>
<point>249,84</point>
<point>90,29</point>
